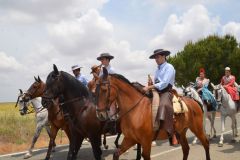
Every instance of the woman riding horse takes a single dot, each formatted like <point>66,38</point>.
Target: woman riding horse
<point>207,97</point>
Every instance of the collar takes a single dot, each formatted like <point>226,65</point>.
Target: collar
<point>162,65</point>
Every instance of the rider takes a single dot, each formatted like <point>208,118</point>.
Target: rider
<point>202,88</point>
<point>228,83</point>
<point>105,59</point>
<point>163,82</point>
<point>76,71</point>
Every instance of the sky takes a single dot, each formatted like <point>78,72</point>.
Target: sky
<point>35,34</point>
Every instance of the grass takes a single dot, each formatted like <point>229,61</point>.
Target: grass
<point>16,129</point>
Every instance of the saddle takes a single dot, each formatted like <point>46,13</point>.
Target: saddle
<point>179,106</point>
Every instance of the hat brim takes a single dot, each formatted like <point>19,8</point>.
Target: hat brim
<point>109,57</point>
<point>76,68</point>
<point>165,53</point>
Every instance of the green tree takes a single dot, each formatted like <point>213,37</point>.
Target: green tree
<point>213,54</point>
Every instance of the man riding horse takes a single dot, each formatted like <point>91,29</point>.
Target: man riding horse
<point>227,82</point>
<point>207,97</point>
<point>163,83</point>
<point>76,71</point>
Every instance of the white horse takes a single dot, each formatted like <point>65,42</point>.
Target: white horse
<point>227,108</point>
<point>191,92</point>
<point>41,117</point>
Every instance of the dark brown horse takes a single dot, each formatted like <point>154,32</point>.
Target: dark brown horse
<point>55,116</point>
<point>77,102</point>
<point>136,116</point>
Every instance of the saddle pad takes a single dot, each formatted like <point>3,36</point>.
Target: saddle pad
<point>179,106</point>
<point>155,104</point>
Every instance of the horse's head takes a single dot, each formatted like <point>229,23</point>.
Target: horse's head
<point>22,103</point>
<point>35,90</point>
<point>53,87</point>
<point>218,93</point>
<point>187,91</point>
<point>106,95</point>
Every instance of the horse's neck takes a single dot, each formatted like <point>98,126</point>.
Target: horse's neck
<point>126,93</point>
<point>225,97</point>
<point>195,95</point>
<point>36,102</point>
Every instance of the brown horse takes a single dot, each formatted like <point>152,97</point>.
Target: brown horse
<point>136,116</point>
<point>55,116</point>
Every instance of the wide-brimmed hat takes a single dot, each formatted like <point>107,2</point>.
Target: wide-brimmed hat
<point>105,55</point>
<point>159,52</point>
<point>227,69</point>
<point>94,68</point>
<point>75,67</point>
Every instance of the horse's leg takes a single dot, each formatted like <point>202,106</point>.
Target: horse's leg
<point>38,130</point>
<point>138,152</point>
<point>53,134</point>
<point>146,150</point>
<point>105,141</point>
<point>220,144</point>
<point>233,128</point>
<point>212,124</point>
<point>125,145</point>
<point>184,144</point>
<point>49,134</point>
<point>117,139</point>
<point>95,141</point>
<point>78,145</point>
<point>236,130</point>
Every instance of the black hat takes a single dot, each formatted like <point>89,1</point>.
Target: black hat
<point>159,52</point>
<point>105,55</point>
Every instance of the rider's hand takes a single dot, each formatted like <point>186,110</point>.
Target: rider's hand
<point>146,88</point>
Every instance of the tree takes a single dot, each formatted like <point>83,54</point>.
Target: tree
<point>213,54</point>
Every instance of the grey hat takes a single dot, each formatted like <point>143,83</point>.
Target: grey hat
<point>75,67</point>
<point>159,52</point>
<point>105,55</point>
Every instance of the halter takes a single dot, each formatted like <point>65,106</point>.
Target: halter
<point>108,101</point>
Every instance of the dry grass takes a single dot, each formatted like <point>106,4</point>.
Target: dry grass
<point>16,131</point>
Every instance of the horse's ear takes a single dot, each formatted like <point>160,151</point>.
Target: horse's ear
<point>213,86</point>
<point>105,73</point>
<point>21,92</point>
<point>183,87</point>
<point>35,79</point>
<point>55,69</point>
<point>39,79</point>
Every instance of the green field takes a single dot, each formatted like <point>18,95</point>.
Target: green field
<point>15,128</point>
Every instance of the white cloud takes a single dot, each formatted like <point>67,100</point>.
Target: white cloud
<point>85,35</point>
<point>232,28</point>
<point>194,24</point>
<point>44,10</point>
<point>8,63</point>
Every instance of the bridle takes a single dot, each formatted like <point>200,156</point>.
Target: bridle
<point>107,82</point>
<point>216,94</point>
<point>99,84</point>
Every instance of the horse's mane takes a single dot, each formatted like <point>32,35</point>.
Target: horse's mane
<point>136,85</point>
<point>75,85</point>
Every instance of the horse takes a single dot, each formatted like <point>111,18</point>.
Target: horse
<point>78,103</point>
<point>136,116</point>
<point>55,115</point>
<point>191,92</point>
<point>41,117</point>
<point>227,107</point>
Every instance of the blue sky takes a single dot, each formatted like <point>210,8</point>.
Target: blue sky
<point>36,34</point>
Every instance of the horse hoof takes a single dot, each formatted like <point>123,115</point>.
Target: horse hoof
<point>27,155</point>
<point>220,145</point>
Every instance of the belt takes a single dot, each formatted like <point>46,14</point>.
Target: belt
<point>168,88</point>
